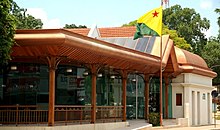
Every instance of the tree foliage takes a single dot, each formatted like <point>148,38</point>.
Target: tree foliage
<point>178,41</point>
<point>24,20</point>
<point>188,25</point>
<point>74,26</point>
<point>13,17</point>
<point>132,23</point>
<point>218,11</point>
<point>7,30</point>
<point>211,54</point>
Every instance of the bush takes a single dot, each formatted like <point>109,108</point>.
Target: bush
<point>154,119</point>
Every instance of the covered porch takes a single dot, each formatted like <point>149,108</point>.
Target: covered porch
<point>58,50</point>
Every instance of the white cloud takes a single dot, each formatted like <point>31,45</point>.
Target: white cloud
<point>41,14</point>
<point>206,4</point>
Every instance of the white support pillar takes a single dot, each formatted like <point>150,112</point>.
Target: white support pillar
<point>209,104</point>
<point>194,108</point>
<point>187,95</point>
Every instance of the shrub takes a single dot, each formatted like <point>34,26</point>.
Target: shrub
<point>154,119</point>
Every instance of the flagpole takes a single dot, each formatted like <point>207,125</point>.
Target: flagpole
<point>161,82</point>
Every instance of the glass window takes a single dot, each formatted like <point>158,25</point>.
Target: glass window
<point>135,96</point>
<point>24,82</point>
<point>108,88</point>
<point>73,86</point>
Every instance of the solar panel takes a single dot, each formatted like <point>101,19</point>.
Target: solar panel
<point>120,41</point>
<point>111,40</point>
<point>150,44</point>
<point>130,43</point>
<point>142,44</point>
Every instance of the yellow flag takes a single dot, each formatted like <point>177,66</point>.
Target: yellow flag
<point>150,23</point>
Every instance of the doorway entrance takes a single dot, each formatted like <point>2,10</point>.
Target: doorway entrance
<point>135,97</point>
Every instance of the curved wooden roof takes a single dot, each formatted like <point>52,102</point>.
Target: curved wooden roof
<point>186,57</point>
<point>192,63</point>
<point>75,47</point>
<point>187,61</point>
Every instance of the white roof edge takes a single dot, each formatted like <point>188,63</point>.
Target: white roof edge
<point>94,32</point>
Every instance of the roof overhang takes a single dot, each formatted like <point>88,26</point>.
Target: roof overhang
<point>82,49</point>
<point>189,68</point>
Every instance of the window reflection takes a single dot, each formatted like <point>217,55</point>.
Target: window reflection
<point>25,84</point>
<point>73,87</point>
<point>109,88</point>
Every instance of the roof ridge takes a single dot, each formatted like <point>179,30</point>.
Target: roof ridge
<point>117,27</point>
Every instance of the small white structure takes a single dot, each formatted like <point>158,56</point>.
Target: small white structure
<point>191,90</point>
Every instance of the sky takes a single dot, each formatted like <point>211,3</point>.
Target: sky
<point>109,13</point>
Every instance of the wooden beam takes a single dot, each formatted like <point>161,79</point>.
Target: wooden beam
<point>124,90</point>
<point>52,65</point>
<point>93,112</point>
<point>166,96</point>
<point>146,80</point>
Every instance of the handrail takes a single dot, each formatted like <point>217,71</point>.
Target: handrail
<point>33,114</point>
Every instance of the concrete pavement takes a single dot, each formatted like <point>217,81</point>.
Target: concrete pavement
<point>205,127</point>
<point>209,127</point>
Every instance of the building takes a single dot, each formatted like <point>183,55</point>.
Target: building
<point>79,76</point>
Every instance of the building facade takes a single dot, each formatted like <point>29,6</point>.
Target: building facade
<point>101,75</point>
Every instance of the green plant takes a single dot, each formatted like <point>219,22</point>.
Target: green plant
<point>154,119</point>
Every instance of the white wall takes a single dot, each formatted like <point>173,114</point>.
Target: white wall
<point>196,91</point>
<point>177,110</point>
<point>197,79</point>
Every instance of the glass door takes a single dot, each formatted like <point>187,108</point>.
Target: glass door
<point>135,97</point>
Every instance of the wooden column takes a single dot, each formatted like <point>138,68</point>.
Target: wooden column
<point>124,85</point>
<point>166,96</point>
<point>146,80</point>
<point>93,112</point>
<point>52,65</point>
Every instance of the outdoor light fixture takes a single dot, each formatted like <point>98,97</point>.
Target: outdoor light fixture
<point>112,77</point>
<point>14,67</point>
<point>133,80</point>
<point>69,70</point>
<point>100,75</point>
<point>85,73</point>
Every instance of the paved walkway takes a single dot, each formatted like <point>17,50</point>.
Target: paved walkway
<point>168,124</point>
<point>210,127</point>
<point>174,127</point>
<point>135,125</point>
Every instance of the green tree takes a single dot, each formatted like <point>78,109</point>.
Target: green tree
<point>218,11</point>
<point>178,41</point>
<point>188,25</point>
<point>7,30</point>
<point>211,54</point>
<point>74,26</point>
<point>24,20</point>
<point>132,23</point>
